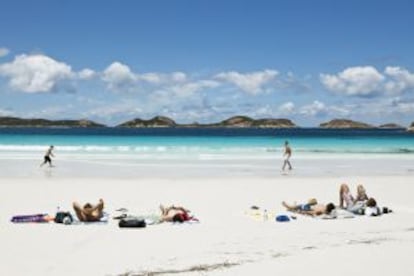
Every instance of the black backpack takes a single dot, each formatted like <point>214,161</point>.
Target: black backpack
<point>60,216</point>
<point>132,223</point>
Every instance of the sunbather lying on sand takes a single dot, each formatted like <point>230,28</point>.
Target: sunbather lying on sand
<point>89,212</point>
<point>174,214</point>
<point>312,208</point>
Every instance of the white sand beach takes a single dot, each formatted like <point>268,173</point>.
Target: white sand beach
<point>225,242</point>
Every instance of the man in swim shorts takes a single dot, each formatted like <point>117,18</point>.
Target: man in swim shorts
<point>47,158</point>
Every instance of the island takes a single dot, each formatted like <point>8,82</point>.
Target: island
<point>233,122</point>
<point>345,123</point>
<point>19,122</point>
<point>166,122</point>
<point>391,126</point>
<point>157,121</point>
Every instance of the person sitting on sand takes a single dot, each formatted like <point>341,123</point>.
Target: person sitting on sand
<point>348,202</point>
<point>175,214</point>
<point>312,208</point>
<point>361,194</point>
<point>89,212</point>
<point>371,208</point>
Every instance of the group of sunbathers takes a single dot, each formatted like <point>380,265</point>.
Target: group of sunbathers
<point>91,213</point>
<point>359,205</point>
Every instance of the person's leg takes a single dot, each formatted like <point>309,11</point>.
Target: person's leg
<point>284,165</point>
<point>290,207</point>
<point>290,166</point>
<point>162,209</point>
<point>79,211</point>
<point>96,212</point>
<point>49,161</point>
<point>44,162</point>
<point>181,209</point>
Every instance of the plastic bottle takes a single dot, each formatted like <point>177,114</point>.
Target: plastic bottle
<point>265,215</point>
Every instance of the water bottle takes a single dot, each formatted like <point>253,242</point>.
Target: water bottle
<point>265,215</point>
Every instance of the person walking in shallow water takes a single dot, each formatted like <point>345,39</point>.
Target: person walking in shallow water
<point>287,154</point>
<point>47,158</point>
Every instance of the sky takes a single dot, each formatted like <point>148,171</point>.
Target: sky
<point>207,60</point>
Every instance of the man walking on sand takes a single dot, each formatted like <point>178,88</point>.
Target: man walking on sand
<point>287,154</point>
<point>47,157</point>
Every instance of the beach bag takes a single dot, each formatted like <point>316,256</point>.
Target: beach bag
<point>132,223</point>
<point>282,218</point>
<point>63,217</point>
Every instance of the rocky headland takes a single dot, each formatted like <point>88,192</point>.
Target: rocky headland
<point>233,122</point>
<point>19,122</point>
<point>345,123</point>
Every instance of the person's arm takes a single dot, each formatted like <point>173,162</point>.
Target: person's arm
<point>181,209</point>
<point>341,201</point>
<point>98,206</point>
<point>311,213</point>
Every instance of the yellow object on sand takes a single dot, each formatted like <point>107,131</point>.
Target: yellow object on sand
<point>260,214</point>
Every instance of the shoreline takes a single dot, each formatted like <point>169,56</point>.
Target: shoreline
<point>207,168</point>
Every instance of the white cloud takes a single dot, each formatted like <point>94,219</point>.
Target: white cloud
<point>153,78</point>
<point>287,108</point>
<point>179,77</point>
<point>188,89</point>
<point>35,73</point>
<point>118,75</point>
<point>366,81</point>
<point>5,112</point>
<point>251,83</point>
<point>4,52</point>
<point>163,79</point>
<point>86,74</point>
<point>354,81</point>
<point>400,79</point>
<point>313,109</point>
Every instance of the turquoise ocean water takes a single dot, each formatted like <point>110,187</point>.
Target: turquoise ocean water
<point>212,144</point>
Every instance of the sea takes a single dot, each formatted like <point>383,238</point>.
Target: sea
<point>203,143</point>
<point>204,152</point>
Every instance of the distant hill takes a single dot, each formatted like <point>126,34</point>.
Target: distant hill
<point>411,127</point>
<point>391,126</point>
<point>244,121</point>
<point>236,122</point>
<point>158,121</point>
<point>345,123</point>
<point>19,122</point>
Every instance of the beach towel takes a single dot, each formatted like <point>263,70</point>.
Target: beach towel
<point>36,218</point>
<point>338,214</point>
<point>104,220</point>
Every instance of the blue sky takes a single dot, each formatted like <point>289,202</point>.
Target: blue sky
<point>204,61</point>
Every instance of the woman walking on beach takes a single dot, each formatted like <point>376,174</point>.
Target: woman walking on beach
<point>47,158</point>
<point>287,154</point>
